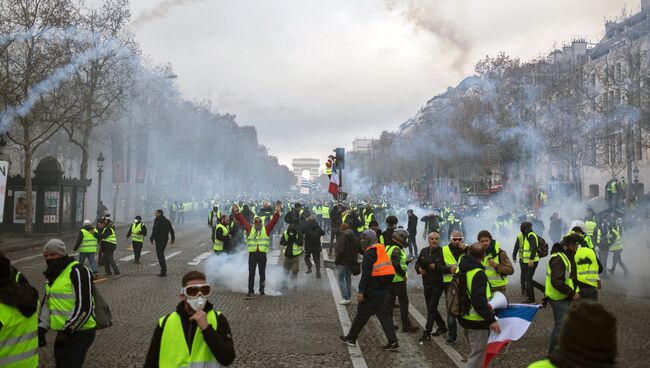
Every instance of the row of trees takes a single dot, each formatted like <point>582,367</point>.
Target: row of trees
<point>73,80</point>
<point>554,114</point>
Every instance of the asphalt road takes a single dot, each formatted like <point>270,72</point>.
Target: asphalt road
<point>299,328</point>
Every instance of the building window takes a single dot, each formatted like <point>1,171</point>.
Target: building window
<point>593,191</point>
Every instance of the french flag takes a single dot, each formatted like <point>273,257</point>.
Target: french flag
<point>335,182</point>
<point>514,322</point>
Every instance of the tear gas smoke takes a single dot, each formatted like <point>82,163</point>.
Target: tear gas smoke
<point>162,10</point>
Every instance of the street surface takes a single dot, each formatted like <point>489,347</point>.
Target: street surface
<point>301,327</point>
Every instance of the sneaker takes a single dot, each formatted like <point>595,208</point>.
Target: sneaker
<point>262,293</point>
<point>249,296</point>
<point>348,341</point>
<point>308,271</point>
<point>137,262</point>
<point>162,275</point>
<point>410,329</point>
<point>439,331</point>
<point>450,342</point>
<point>425,337</point>
<point>318,274</point>
<point>391,346</point>
<point>117,275</point>
<point>345,302</point>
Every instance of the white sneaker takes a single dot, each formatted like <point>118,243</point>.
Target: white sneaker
<point>344,302</point>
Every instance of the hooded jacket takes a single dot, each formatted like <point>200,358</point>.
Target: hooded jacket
<point>347,248</point>
<point>313,233</point>
<point>478,297</point>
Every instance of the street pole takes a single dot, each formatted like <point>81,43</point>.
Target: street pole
<point>100,170</point>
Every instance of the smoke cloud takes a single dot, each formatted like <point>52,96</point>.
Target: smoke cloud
<point>162,10</point>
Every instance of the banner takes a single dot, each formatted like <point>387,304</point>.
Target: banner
<point>141,159</point>
<point>4,171</point>
<point>117,148</point>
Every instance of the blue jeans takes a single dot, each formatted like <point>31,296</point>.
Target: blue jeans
<point>345,281</point>
<point>560,308</point>
<point>91,260</point>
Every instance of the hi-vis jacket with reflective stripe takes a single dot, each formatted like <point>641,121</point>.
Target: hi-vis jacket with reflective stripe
<point>173,345</point>
<point>18,337</point>
<point>61,300</point>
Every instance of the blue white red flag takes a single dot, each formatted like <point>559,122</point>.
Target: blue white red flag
<point>514,322</point>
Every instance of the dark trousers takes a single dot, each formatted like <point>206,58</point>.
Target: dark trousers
<point>432,295</point>
<point>373,304</point>
<point>316,256</point>
<point>413,246</point>
<point>398,290</point>
<point>109,262</point>
<point>452,325</point>
<point>334,236</point>
<point>522,277</point>
<point>603,255</point>
<point>588,292</point>
<point>529,272</point>
<point>617,260</point>
<point>560,308</point>
<point>70,348</point>
<point>137,250</point>
<point>160,253</point>
<point>255,260</point>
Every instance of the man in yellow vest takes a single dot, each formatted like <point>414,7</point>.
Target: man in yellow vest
<point>109,245</point>
<point>616,247</point>
<point>257,244</point>
<point>69,308</point>
<point>496,262</point>
<point>196,334</point>
<point>588,266</point>
<point>397,288</point>
<point>561,283</point>
<point>87,245</point>
<point>527,242</point>
<point>291,241</point>
<point>480,319</point>
<point>18,318</point>
<point>222,236</point>
<point>451,255</point>
<point>137,232</point>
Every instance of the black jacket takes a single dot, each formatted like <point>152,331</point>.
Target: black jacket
<point>162,228</point>
<point>369,285</point>
<point>18,293</point>
<point>347,248</point>
<point>412,226</point>
<point>219,342</point>
<point>478,296</point>
<point>313,233</point>
<point>427,257</point>
<point>335,218</point>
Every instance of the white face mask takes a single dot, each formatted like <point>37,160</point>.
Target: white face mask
<point>197,303</point>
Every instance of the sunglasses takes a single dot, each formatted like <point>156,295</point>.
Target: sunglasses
<point>456,239</point>
<point>195,290</point>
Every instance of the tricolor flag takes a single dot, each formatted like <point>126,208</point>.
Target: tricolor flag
<point>335,182</point>
<point>514,322</point>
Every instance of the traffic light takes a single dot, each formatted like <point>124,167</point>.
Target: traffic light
<point>340,157</point>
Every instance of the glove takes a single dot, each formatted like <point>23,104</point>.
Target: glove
<point>41,337</point>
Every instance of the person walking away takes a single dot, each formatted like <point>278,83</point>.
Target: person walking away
<point>108,245</point>
<point>162,230</point>
<point>137,232</point>
<point>587,266</point>
<point>335,220</point>
<point>617,248</point>
<point>556,228</point>
<point>561,282</point>
<point>347,251</point>
<point>412,228</point>
<point>221,236</point>
<point>196,334</point>
<point>480,319</point>
<point>325,213</point>
<point>18,318</point>
<point>87,245</point>
<point>291,241</point>
<point>496,262</point>
<point>451,255</point>
<point>257,244</point>
<point>429,264</point>
<point>313,233</point>
<point>397,288</point>
<point>376,275</point>
<point>68,307</point>
<point>527,240</point>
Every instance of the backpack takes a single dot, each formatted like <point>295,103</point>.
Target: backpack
<point>457,296</point>
<point>103,317</point>
<point>542,247</point>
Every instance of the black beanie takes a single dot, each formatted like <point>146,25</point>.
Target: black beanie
<point>588,337</point>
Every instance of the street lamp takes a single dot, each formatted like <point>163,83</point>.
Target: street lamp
<point>636,173</point>
<point>100,170</point>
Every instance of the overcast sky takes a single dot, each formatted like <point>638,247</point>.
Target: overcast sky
<point>312,75</point>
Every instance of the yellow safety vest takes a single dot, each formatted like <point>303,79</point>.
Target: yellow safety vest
<point>449,259</point>
<point>472,315</point>
<point>136,233</point>
<point>297,248</point>
<point>61,300</point>
<point>88,242</point>
<point>326,212</point>
<point>494,278</point>
<point>618,242</point>
<point>111,238</point>
<point>525,247</point>
<point>542,364</point>
<point>173,344</point>
<point>18,337</point>
<point>258,240</point>
<point>217,244</point>
<point>552,292</point>
<point>402,261</point>
<point>587,272</point>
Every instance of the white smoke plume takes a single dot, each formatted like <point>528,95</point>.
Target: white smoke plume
<point>162,10</point>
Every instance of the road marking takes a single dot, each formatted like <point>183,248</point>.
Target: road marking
<point>452,353</point>
<point>200,258</point>
<point>167,257</point>
<point>358,361</point>
<point>202,244</point>
<point>26,258</point>
<point>132,256</point>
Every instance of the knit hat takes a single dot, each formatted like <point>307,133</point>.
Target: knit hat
<point>55,246</point>
<point>370,234</point>
<point>588,337</point>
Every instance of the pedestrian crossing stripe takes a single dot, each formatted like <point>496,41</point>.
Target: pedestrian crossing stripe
<point>132,256</point>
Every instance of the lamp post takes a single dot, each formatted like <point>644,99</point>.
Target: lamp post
<point>100,170</point>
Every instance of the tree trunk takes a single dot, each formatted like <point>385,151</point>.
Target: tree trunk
<point>28,185</point>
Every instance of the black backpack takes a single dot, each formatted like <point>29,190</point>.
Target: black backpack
<point>457,296</point>
<point>542,247</point>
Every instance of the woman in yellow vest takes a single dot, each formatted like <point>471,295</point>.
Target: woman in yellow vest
<point>196,334</point>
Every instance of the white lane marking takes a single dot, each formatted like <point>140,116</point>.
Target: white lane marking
<point>26,258</point>
<point>200,258</point>
<point>202,244</point>
<point>452,353</point>
<point>132,256</point>
<point>358,361</point>
<point>167,257</point>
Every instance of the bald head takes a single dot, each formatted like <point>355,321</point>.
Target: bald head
<point>434,239</point>
<point>477,250</point>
